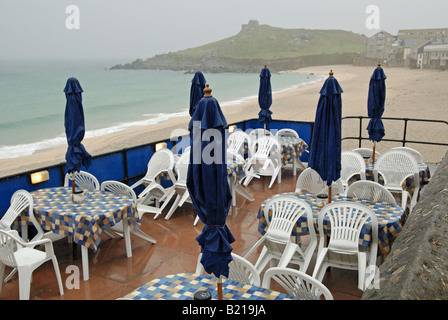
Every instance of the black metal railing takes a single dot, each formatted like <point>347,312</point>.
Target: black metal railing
<point>404,140</point>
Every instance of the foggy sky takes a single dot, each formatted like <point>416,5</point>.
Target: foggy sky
<point>130,29</point>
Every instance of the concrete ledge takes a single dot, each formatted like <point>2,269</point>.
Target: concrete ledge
<point>417,267</point>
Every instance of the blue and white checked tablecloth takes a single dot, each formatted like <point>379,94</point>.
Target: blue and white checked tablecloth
<point>184,285</point>
<point>85,221</point>
<point>390,217</point>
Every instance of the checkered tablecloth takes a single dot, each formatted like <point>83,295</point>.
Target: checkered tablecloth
<point>184,285</point>
<point>390,217</point>
<point>85,221</point>
<point>292,148</point>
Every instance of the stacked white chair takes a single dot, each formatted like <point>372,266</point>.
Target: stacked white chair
<point>352,164</point>
<point>237,142</point>
<point>21,200</point>
<point>370,190</point>
<point>297,284</point>
<point>120,188</point>
<point>240,270</point>
<point>395,167</point>
<point>277,244</point>
<point>180,185</point>
<point>342,251</point>
<point>161,161</point>
<point>310,181</point>
<point>266,161</point>
<point>258,133</point>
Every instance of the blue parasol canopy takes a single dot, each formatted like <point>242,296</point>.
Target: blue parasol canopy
<point>76,154</point>
<point>197,90</point>
<point>208,186</point>
<point>375,104</point>
<point>265,97</point>
<point>325,153</point>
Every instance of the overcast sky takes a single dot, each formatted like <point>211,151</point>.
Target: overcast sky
<point>130,29</point>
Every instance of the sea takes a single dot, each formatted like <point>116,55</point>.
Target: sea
<point>32,101</point>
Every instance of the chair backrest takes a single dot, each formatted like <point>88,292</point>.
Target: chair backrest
<point>258,133</point>
<point>182,167</point>
<point>366,152</point>
<point>287,133</point>
<point>118,188</point>
<point>370,190</point>
<point>352,163</point>
<point>240,270</point>
<point>297,284</point>
<point>418,156</point>
<point>310,181</point>
<point>21,200</point>
<point>286,210</point>
<point>267,147</point>
<point>346,220</point>
<point>162,160</point>
<point>238,141</point>
<point>395,166</point>
<point>8,246</point>
<point>83,180</point>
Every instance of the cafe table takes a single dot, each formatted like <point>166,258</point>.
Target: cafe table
<point>391,219</point>
<point>183,286</point>
<point>85,221</point>
<point>292,149</point>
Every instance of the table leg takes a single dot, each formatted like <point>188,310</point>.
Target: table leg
<point>127,238</point>
<point>85,262</point>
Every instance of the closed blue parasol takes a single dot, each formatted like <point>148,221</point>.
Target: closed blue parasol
<point>76,154</point>
<point>208,186</point>
<point>265,97</point>
<point>325,153</point>
<point>197,90</point>
<point>375,106</point>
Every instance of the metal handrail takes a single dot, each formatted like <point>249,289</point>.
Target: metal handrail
<point>404,140</point>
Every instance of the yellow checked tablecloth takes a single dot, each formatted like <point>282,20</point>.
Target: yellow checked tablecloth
<point>292,148</point>
<point>390,217</point>
<point>183,286</point>
<point>85,221</point>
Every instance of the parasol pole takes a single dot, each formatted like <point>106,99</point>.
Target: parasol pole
<point>220,288</point>
<point>73,183</point>
<point>329,187</point>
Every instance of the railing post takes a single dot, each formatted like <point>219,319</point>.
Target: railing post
<point>405,129</point>
<point>360,132</point>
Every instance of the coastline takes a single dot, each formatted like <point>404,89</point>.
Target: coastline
<point>410,94</point>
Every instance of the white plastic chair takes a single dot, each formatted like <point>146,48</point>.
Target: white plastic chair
<point>266,161</point>
<point>310,181</point>
<point>123,189</point>
<point>277,244</point>
<point>236,144</point>
<point>180,185</point>
<point>240,270</point>
<point>418,156</point>
<point>297,284</point>
<point>291,133</point>
<point>367,153</point>
<point>342,251</point>
<point>370,190</point>
<point>395,167</point>
<point>352,164</point>
<point>162,161</point>
<point>83,180</point>
<point>16,253</point>
<point>20,201</point>
<point>255,134</point>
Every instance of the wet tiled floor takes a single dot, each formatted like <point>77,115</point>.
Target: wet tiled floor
<point>113,275</point>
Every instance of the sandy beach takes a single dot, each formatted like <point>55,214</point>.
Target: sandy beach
<point>410,94</point>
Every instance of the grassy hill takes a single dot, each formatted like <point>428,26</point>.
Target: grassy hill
<point>255,45</point>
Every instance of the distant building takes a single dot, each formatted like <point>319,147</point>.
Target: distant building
<point>379,46</point>
<point>423,34</point>
<point>435,56</point>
